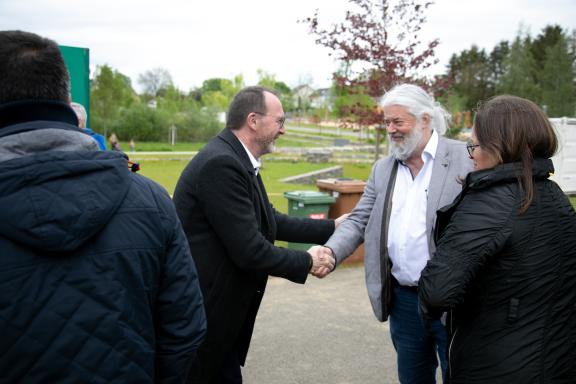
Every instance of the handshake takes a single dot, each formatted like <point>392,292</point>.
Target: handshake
<point>323,261</point>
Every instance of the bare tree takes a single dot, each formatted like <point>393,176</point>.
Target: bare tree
<point>155,80</point>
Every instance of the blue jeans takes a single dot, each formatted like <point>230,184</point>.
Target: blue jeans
<point>418,342</point>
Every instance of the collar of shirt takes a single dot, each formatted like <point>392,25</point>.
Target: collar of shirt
<point>256,164</point>
<point>431,147</point>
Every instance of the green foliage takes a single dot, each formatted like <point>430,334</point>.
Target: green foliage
<point>558,93</point>
<point>268,80</point>
<point>540,69</point>
<point>549,37</point>
<point>217,93</point>
<point>520,71</point>
<point>141,123</point>
<point>197,124</point>
<point>471,73</point>
<point>110,93</point>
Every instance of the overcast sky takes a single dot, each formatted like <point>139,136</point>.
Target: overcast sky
<point>196,40</point>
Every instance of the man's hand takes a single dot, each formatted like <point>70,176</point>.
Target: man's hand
<point>323,261</point>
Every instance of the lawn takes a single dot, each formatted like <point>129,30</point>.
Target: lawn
<point>166,173</point>
<point>166,147</point>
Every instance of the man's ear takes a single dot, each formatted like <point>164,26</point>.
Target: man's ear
<point>425,121</point>
<point>251,120</point>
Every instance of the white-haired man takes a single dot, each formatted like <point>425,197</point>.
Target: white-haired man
<point>83,124</point>
<point>395,218</point>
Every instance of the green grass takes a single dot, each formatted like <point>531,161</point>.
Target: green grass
<point>166,147</point>
<point>287,141</point>
<point>573,201</point>
<point>167,172</point>
<point>164,172</point>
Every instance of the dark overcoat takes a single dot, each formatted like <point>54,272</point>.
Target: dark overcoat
<point>231,227</point>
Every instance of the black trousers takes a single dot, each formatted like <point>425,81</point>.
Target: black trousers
<point>231,372</point>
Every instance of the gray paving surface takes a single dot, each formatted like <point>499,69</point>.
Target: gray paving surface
<point>320,332</point>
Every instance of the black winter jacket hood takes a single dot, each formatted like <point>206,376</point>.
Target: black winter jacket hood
<point>46,200</point>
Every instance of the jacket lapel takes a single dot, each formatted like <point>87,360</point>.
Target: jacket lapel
<point>437,182</point>
<point>270,229</point>
<point>261,204</point>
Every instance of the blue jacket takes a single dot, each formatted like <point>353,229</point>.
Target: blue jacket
<point>97,283</point>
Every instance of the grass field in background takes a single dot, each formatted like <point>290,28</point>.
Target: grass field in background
<point>166,147</point>
<point>167,172</point>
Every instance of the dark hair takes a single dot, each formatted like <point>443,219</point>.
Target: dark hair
<point>514,129</point>
<point>31,68</point>
<point>249,99</point>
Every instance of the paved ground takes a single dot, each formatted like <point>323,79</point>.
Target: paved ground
<point>320,332</point>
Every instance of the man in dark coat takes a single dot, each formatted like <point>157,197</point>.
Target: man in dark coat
<point>231,227</point>
<point>97,284</point>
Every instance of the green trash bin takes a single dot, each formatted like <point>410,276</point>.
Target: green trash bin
<point>311,204</point>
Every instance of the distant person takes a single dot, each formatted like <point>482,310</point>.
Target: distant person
<point>395,220</point>
<point>132,145</point>
<point>231,227</point>
<point>505,263</point>
<point>82,118</point>
<point>114,142</point>
<point>97,284</point>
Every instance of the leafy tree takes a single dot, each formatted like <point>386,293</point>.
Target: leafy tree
<point>197,124</point>
<point>155,80</point>
<point>549,37</point>
<point>470,72</point>
<point>379,46</point>
<point>217,93</point>
<point>110,93</point>
<point>213,85</point>
<point>142,123</point>
<point>520,72</point>
<point>557,80</point>
<point>497,58</point>
<point>285,93</point>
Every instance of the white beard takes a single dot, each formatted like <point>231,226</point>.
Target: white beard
<point>402,150</point>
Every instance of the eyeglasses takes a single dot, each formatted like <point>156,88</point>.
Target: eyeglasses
<point>470,147</point>
<point>280,121</point>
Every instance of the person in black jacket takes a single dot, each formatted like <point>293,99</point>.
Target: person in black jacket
<point>505,263</point>
<point>97,284</point>
<point>231,227</point>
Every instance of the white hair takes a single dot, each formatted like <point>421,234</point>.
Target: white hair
<point>418,103</point>
<point>80,113</point>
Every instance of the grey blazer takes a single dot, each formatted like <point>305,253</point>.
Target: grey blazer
<point>365,221</point>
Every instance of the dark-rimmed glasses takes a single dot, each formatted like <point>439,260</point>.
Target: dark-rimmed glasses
<point>470,147</point>
<point>279,121</point>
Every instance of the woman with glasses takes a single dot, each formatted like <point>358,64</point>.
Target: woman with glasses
<point>505,264</point>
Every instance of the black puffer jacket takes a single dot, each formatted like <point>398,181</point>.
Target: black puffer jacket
<point>97,284</point>
<point>507,280</point>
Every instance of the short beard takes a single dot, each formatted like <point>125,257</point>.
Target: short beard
<point>404,149</point>
<point>267,145</point>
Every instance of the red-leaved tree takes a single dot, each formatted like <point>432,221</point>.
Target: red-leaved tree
<point>378,46</point>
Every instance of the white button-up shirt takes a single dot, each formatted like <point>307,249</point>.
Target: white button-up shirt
<point>407,240</point>
<point>255,162</point>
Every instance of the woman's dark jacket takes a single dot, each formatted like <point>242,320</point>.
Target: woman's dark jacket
<point>97,284</point>
<point>508,280</point>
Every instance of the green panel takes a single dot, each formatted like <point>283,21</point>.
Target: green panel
<point>78,62</point>
<point>311,204</point>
